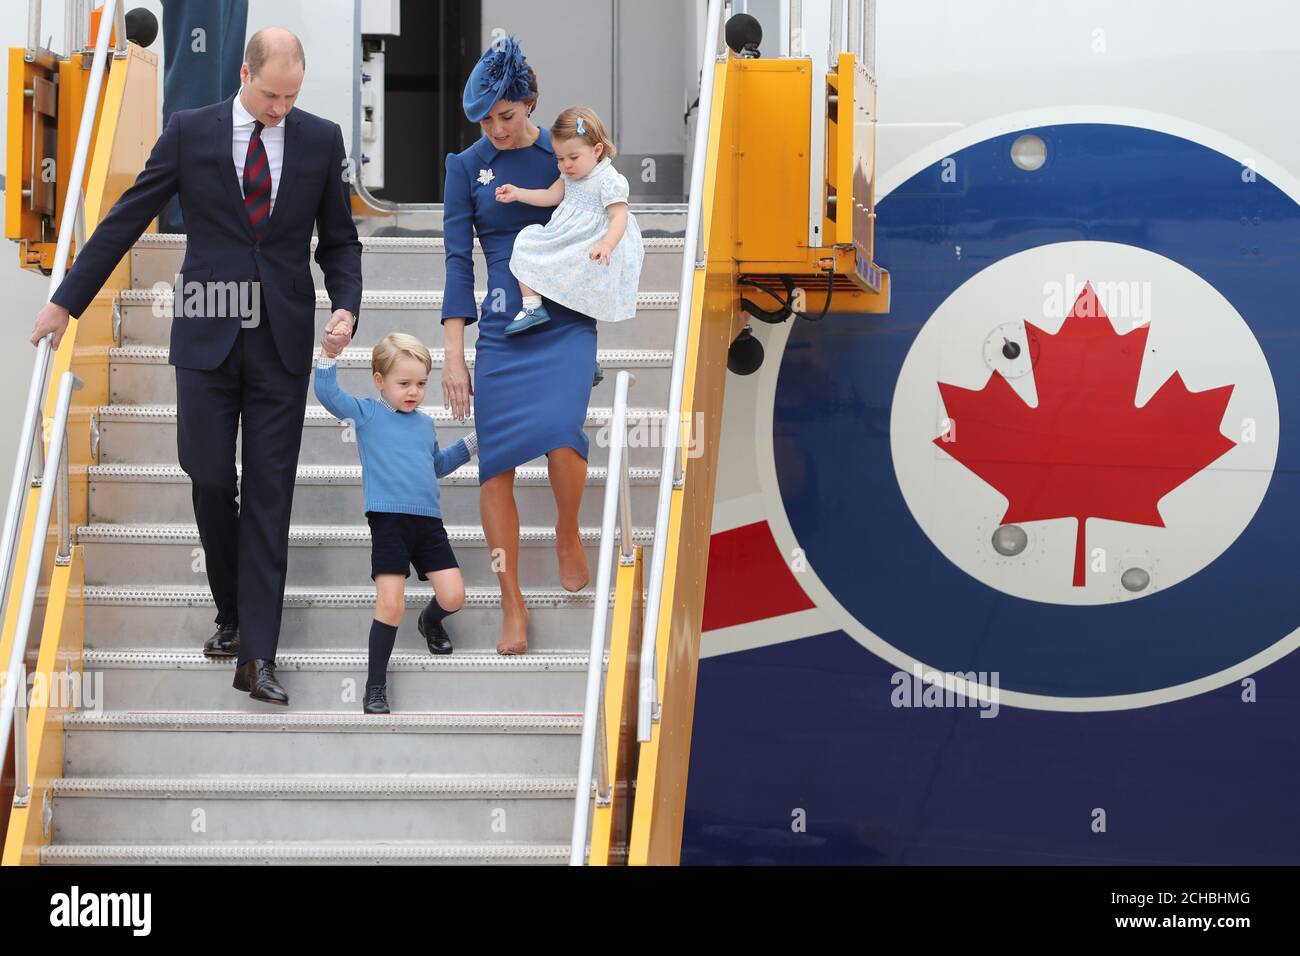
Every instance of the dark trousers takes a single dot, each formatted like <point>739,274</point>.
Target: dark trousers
<point>203,76</point>
<point>245,542</point>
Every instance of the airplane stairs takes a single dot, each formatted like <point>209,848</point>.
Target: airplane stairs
<point>478,761</point>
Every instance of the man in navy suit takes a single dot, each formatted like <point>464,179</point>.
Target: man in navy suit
<point>253,176</point>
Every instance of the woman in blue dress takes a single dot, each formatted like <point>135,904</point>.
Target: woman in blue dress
<point>530,390</point>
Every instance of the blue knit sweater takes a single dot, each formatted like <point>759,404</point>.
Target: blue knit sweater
<point>400,458</point>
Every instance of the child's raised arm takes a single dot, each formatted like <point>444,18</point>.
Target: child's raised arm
<point>550,196</point>
<point>341,405</point>
<point>447,460</point>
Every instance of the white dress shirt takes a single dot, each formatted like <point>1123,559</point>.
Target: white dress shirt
<point>272,142</point>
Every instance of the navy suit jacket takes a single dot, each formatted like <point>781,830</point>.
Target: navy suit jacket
<point>193,158</point>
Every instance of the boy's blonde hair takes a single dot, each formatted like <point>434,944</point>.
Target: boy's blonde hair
<point>566,127</point>
<point>395,345</point>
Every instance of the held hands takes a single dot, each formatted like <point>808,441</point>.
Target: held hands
<point>51,318</point>
<point>338,333</point>
<point>507,193</point>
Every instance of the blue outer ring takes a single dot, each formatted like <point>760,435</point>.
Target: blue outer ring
<point>1106,183</point>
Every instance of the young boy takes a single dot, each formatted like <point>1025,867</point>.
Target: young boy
<point>400,467</point>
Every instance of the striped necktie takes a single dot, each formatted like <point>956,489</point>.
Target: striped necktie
<point>257,181</point>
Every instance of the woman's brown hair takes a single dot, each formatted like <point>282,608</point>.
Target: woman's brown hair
<point>532,88</point>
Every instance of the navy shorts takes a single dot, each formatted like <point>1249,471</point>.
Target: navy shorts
<point>398,541</point>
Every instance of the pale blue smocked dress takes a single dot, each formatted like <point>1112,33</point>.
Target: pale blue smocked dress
<point>554,259</point>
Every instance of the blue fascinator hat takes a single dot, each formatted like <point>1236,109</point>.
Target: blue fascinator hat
<point>500,74</point>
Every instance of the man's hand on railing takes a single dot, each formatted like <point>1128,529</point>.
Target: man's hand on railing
<point>52,318</point>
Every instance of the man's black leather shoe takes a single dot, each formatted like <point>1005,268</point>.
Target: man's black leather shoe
<point>223,643</point>
<point>258,678</point>
<point>376,699</point>
<point>435,635</point>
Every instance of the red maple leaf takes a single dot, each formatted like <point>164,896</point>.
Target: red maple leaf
<point>1087,451</point>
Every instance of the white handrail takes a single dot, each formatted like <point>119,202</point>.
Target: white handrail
<point>29,435</point>
<point>33,24</point>
<point>119,27</point>
<point>693,257</point>
<point>55,479</point>
<point>594,747</point>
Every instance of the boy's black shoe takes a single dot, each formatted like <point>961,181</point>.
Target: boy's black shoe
<point>435,635</point>
<point>376,699</point>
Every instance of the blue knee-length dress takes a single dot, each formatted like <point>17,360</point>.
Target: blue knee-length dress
<point>530,390</point>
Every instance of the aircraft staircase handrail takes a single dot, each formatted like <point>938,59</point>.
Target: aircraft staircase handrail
<point>53,480</point>
<point>673,474</point>
<point>30,439</point>
<point>618,507</point>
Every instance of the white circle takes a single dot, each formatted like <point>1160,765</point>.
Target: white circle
<point>1029,152</point>
<point>1193,331</point>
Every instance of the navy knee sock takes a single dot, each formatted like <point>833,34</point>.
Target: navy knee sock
<point>382,638</point>
<point>434,613</point>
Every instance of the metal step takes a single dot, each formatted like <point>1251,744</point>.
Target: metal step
<point>504,808</point>
<point>393,262</point>
<point>653,328</point>
<point>113,743</point>
<point>306,853</point>
<point>332,494</point>
<point>319,555</point>
<point>141,375</point>
<point>146,318</point>
<point>161,680</point>
<point>146,434</point>
<point>329,619</point>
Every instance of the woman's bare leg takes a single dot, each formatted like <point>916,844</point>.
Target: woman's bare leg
<point>523,287</point>
<point>568,472</point>
<point>501,528</point>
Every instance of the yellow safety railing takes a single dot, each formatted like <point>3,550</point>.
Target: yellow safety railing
<point>714,322</point>
<point>119,108</point>
<point>595,755</point>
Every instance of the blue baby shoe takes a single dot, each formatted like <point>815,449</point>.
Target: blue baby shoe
<point>526,319</point>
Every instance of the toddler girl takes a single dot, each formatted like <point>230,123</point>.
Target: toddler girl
<point>589,256</point>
